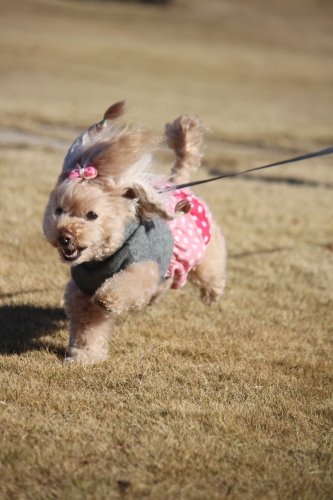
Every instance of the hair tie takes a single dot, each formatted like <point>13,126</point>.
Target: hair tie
<point>88,172</point>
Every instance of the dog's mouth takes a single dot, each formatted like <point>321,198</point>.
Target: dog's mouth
<point>70,255</point>
<point>67,246</point>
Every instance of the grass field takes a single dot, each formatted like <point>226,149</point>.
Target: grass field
<point>233,401</point>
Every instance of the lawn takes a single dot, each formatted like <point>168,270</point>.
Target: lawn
<point>233,401</point>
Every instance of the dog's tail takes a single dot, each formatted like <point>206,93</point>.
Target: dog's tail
<point>185,137</point>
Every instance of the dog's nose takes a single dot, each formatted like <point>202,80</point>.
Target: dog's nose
<point>66,238</point>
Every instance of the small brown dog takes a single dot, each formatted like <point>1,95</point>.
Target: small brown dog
<point>127,235</point>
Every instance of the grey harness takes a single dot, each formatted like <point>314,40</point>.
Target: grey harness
<point>144,240</point>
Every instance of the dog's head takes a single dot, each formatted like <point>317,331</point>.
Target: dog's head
<point>106,182</point>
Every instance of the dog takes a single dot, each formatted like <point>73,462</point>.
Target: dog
<point>127,234</point>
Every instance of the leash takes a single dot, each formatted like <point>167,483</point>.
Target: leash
<point>322,152</point>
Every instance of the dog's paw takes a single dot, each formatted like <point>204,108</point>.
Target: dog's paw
<point>85,357</point>
<point>107,301</point>
<point>67,361</point>
<point>99,301</point>
<point>210,296</point>
<point>82,361</point>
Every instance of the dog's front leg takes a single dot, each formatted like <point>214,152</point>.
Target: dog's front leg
<point>129,289</point>
<point>90,327</point>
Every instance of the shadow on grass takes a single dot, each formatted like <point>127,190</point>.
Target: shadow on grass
<point>258,252</point>
<point>23,326</point>
<point>278,180</point>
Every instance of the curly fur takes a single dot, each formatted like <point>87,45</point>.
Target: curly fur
<point>184,136</point>
<point>85,221</point>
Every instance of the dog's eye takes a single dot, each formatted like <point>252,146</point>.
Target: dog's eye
<point>59,211</point>
<point>91,216</point>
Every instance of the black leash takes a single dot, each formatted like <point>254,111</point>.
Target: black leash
<point>322,152</point>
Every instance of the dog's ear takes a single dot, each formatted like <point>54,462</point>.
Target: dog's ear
<point>115,111</point>
<point>149,203</point>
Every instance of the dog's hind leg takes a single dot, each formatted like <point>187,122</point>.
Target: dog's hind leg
<point>210,274</point>
<point>90,327</point>
<point>184,135</point>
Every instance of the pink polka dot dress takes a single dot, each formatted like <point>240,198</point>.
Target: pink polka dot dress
<point>191,234</point>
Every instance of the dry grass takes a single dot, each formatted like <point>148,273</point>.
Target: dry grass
<point>193,403</point>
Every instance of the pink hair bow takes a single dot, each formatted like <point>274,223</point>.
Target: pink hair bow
<point>79,172</point>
